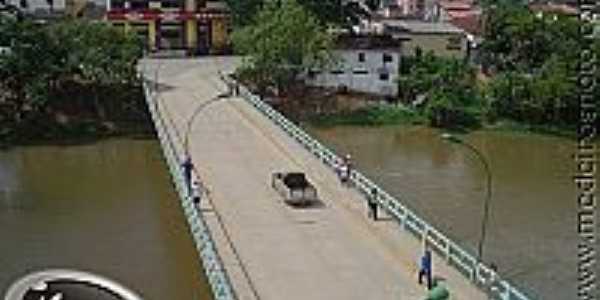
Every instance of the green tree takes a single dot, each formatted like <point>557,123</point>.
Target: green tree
<point>282,42</point>
<point>243,11</point>
<point>447,87</point>
<point>62,65</point>
<point>335,12</point>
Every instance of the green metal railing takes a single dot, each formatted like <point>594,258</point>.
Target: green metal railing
<point>478,273</point>
<point>211,261</point>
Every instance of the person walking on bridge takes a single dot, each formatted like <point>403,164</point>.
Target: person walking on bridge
<point>425,269</point>
<point>196,193</point>
<point>345,169</point>
<point>188,166</point>
<point>372,204</point>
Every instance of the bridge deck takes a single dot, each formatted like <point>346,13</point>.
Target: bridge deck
<point>328,252</point>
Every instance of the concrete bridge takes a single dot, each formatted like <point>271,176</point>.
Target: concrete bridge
<point>254,246</point>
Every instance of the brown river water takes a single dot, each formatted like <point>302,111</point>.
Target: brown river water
<point>531,233</point>
<point>107,208</point>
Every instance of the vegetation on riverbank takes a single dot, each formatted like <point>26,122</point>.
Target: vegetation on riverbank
<point>66,80</point>
<point>524,80</point>
<point>529,84</point>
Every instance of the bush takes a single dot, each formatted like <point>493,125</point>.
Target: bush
<point>451,110</point>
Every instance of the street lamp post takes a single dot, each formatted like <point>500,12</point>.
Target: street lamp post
<point>453,139</point>
<point>196,112</point>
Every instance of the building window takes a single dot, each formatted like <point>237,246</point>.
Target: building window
<point>171,4</point>
<point>119,26</point>
<point>137,4</point>
<point>117,4</point>
<point>360,72</point>
<point>361,57</point>
<point>337,72</point>
<point>313,73</point>
<point>384,76</point>
<point>454,43</point>
<point>387,58</point>
<point>171,36</point>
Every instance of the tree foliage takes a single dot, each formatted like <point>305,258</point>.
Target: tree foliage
<point>281,43</point>
<point>47,64</point>
<point>535,58</point>
<point>447,87</point>
<point>243,11</point>
<point>327,12</point>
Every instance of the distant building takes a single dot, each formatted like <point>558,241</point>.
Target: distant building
<point>445,10</point>
<point>196,26</point>
<point>39,9</point>
<point>415,9</point>
<point>46,10</point>
<point>367,63</point>
<point>444,39</point>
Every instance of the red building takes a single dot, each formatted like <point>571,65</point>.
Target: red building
<point>197,26</point>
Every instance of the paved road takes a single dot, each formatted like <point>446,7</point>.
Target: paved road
<point>280,252</point>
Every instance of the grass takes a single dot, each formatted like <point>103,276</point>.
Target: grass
<point>519,127</point>
<point>398,115</point>
<point>371,116</point>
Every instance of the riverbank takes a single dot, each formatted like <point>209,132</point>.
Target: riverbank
<point>74,123</point>
<point>383,115</point>
<point>326,107</point>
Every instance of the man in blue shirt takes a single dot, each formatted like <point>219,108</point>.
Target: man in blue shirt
<point>425,269</point>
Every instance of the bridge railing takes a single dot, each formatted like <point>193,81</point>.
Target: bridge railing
<point>211,261</point>
<point>477,272</point>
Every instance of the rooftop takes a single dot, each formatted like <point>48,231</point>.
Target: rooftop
<point>565,9</point>
<point>414,26</point>
<point>468,23</point>
<point>366,42</point>
<point>456,5</point>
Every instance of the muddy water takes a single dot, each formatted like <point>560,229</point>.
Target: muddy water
<point>107,208</point>
<point>531,232</point>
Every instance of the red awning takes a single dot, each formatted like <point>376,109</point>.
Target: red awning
<point>155,14</point>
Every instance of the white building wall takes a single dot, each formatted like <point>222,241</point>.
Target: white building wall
<point>40,5</point>
<point>362,76</point>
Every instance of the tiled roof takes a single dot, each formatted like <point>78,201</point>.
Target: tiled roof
<point>366,41</point>
<point>414,26</point>
<point>456,5</point>
<point>469,23</point>
<point>554,8</point>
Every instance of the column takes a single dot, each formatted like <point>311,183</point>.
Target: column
<point>218,35</point>
<point>191,35</point>
<point>152,35</point>
<point>190,5</point>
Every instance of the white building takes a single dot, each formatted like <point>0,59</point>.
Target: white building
<point>39,6</point>
<point>368,64</point>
